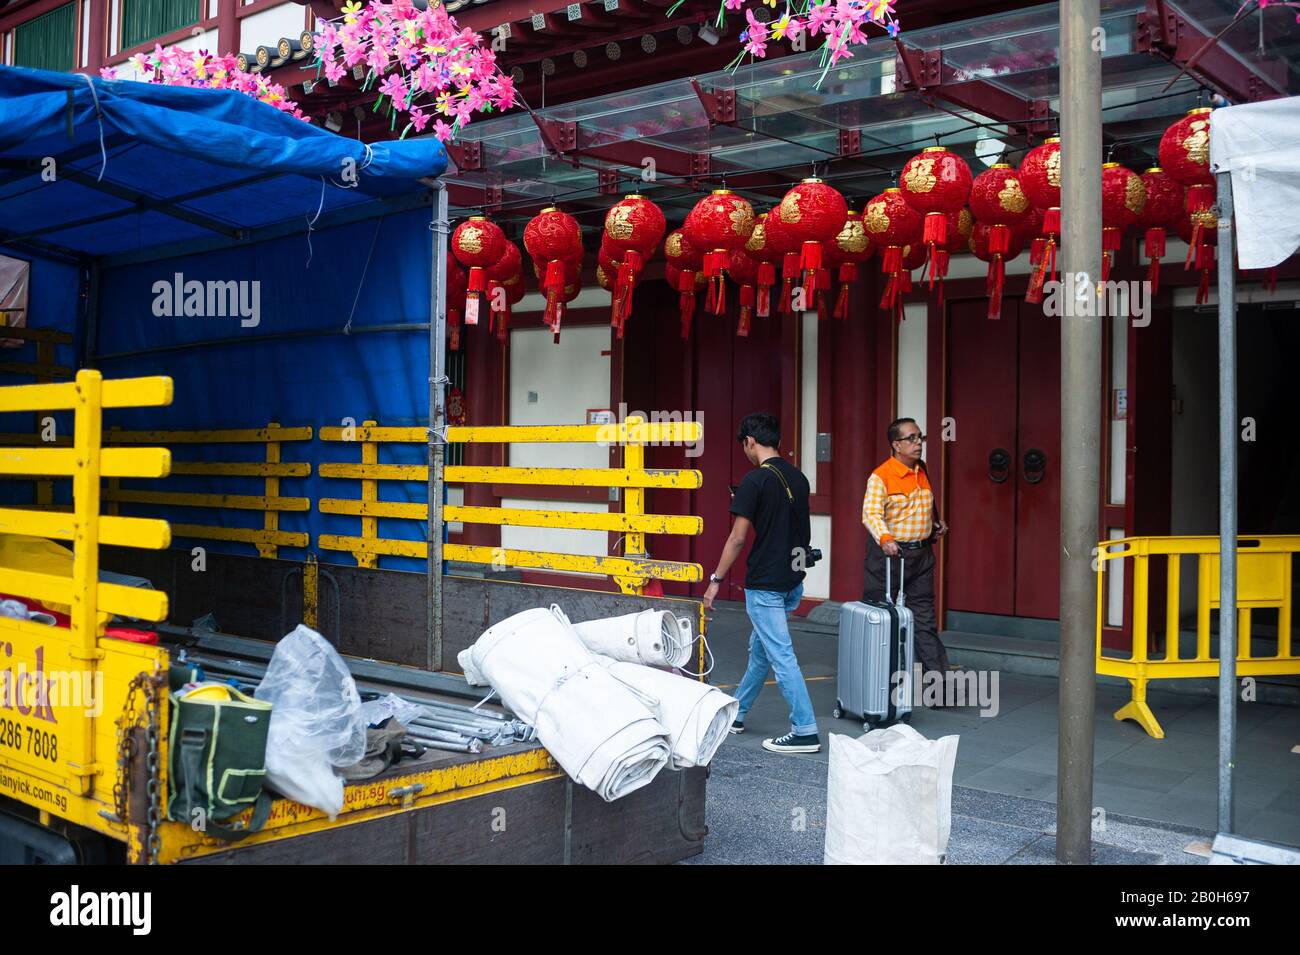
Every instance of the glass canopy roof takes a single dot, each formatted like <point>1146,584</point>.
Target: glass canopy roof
<point>789,118</point>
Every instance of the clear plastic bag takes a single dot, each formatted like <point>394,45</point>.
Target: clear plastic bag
<point>317,722</point>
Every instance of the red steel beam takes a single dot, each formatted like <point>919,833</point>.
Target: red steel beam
<point>1162,30</point>
<point>925,72</point>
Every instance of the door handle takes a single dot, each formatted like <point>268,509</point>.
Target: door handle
<point>1035,465</point>
<point>999,465</point>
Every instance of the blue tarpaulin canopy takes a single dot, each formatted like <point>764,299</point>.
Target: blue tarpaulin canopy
<point>101,167</point>
<point>115,189</point>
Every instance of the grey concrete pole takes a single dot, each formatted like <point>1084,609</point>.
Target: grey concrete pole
<point>1227,503</point>
<point>437,422</point>
<point>1081,396</point>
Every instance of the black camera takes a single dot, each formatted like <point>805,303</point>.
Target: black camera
<point>814,555</point>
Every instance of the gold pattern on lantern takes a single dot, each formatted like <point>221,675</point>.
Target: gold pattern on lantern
<point>965,224</point>
<point>874,219</point>
<point>471,240</point>
<point>618,223</point>
<point>1054,169</point>
<point>920,176</point>
<point>758,238</point>
<point>1198,143</point>
<point>853,237</point>
<point>1011,197</point>
<point>602,278</point>
<point>1135,195</point>
<point>742,219</point>
<point>673,247</point>
<point>789,208</point>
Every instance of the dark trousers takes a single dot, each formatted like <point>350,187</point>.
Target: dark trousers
<point>918,587</point>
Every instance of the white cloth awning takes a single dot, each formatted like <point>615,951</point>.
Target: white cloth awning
<point>1259,144</point>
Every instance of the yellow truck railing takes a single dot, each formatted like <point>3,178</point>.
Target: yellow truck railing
<point>269,537</point>
<point>631,571</point>
<point>44,370</point>
<point>61,689</point>
<point>1263,582</point>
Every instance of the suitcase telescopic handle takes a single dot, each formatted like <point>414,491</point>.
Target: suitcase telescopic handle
<point>889,598</point>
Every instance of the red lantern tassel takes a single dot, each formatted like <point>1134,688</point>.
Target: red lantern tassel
<point>1199,198</point>
<point>1204,262</point>
<point>492,300</point>
<point>1111,240</point>
<point>1154,248</point>
<point>810,260</point>
<point>477,285</point>
<point>1052,221</point>
<point>936,229</point>
<point>789,273</point>
<point>1046,266</point>
<point>553,286</point>
<point>1270,279</point>
<point>997,279</point>
<point>891,263</point>
<point>939,263</point>
<point>766,279</point>
<point>453,328</point>
<point>686,300</point>
<point>503,324</point>
<point>848,275</point>
<point>746,310</point>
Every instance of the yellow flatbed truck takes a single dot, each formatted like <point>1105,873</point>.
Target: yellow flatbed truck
<point>84,715</point>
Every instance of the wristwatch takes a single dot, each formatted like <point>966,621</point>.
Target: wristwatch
<point>714,579</point>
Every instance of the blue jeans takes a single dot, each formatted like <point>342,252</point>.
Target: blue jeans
<point>770,649</point>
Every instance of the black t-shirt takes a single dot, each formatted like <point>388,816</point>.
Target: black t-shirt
<point>781,529</point>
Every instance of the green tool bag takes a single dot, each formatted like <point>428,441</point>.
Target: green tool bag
<point>218,759</point>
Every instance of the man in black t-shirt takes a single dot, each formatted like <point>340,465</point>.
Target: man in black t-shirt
<point>773,500</point>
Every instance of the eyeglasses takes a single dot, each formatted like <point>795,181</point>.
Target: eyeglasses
<point>912,438</point>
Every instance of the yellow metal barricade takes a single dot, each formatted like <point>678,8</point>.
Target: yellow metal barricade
<point>1263,582</point>
<point>631,571</point>
<point>268,538</point>
<point>62,688</point>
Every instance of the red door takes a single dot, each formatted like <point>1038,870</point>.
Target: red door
<point>1002,476</point>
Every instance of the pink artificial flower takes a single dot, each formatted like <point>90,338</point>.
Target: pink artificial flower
<point>394,86</point>
<point>756,34</point>
<point>441,130</point>
<point>819,16</point>
<point>504,88</point>
<point>733,4</point>
<point>419,118</point>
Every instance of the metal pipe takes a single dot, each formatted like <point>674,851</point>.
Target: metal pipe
<point>437,422</point>
<point>449,747</point>
<point>1081,395</point>
<point>1227,504</point>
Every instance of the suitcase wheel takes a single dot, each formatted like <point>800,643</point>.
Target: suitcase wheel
<point>868,726</point>
<point>838,712</point>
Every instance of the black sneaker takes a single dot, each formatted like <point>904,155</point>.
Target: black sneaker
<point>737,727</point>
<point>790,743</point>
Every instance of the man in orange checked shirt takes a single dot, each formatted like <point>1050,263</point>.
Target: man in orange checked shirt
<point>900,512</point>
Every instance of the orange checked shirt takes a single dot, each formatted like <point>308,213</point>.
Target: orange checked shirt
<point>899,504</point>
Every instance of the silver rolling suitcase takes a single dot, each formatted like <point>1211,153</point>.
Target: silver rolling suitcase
<point>875,659</point>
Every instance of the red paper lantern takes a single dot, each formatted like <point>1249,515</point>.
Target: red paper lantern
<point>603,280</point>
<point>892,224</point>
<point>1000,205</point>
<point>762,251</point>
<point>1164,210</point>
<point>634,227</point>
<point>510,264</point>
<point>1185,155</point>
<point>936,183</point>
<point>849,250</point>
<point>986,245</point>
<point>812,213</point>
<point>687,263</point>
<point>550,237</point>
<point>457,286</point>
<point>478,244</point>
<point>742,268</point>
<point>1040,178</point>
<point>784,247</point>
<point>720,222</point>
<point>1122,199</point>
